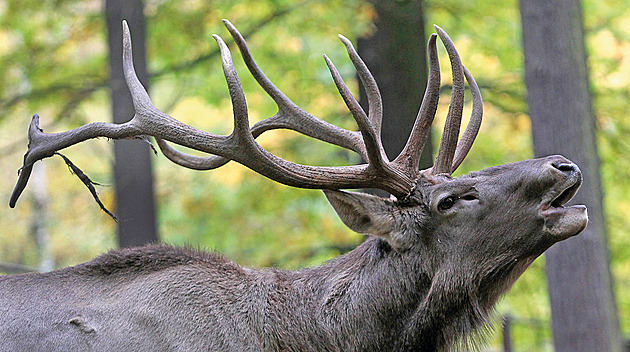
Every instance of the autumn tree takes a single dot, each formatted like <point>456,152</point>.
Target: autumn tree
<point>395,52</point>
<point>583,311</point>
<point>132,158</point>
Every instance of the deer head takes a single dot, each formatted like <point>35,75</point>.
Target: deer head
<point>469,237</point>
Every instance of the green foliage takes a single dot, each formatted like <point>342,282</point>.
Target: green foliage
<point>53,61</point>
<point>58,67</point>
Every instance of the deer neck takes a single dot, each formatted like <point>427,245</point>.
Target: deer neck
<point>366,297</point>
<point>458,306</point>
<point>375,293</point>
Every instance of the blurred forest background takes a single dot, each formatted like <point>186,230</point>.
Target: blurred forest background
<point>54,62</point>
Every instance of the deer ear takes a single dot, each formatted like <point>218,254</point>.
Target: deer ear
<point>363,213</point>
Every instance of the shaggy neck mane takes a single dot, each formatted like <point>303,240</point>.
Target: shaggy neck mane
<point>412,305</point>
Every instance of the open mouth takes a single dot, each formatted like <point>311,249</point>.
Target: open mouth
<point>566,195</point>
<point>560,221</point>
<point>561,195</point>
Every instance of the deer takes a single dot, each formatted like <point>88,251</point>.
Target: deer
<point>439,253</point>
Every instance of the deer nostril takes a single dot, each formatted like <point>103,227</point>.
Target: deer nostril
<point>564,167</point>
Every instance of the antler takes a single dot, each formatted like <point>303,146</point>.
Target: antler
<point>397,177</point>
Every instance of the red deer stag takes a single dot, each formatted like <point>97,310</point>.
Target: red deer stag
<point>442,250</point>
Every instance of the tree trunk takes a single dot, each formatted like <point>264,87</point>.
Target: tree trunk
<point>396,56</point>
<point>39,221</point>
<point>583,309</point>
<point>132,159</point>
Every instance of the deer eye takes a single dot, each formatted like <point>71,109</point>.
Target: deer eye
<point>446,203</point>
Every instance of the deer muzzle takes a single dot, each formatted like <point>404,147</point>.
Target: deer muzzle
<point>564,221</point>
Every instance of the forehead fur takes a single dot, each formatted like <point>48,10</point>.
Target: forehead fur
<point>428,184</point>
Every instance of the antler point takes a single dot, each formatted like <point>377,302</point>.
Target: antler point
<point>126,36</point>
<point>219,40</point>
<point>34,126</point>
<point>443,35</point>
<point>232,29</point>
<point>345,41</point>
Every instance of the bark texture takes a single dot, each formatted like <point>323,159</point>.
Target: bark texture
<point>135,206</point>
<point>396,54</point>
<point>583,309</point>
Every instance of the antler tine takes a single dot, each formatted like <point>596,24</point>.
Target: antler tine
<point>239,104</point>
<point>467,139</point>
<point>374,100</point>
<point>43,145</point>
<point>139,95</point>
<point>375,151</point>
<point>150,120</point>
<point>448,144</point>
<point>193,162</point>
<point>27,168</point>
<point>409,157</point>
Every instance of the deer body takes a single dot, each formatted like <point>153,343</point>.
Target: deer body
<point>203,302</point>
<point>194,306</point>
<point>441,251</point>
